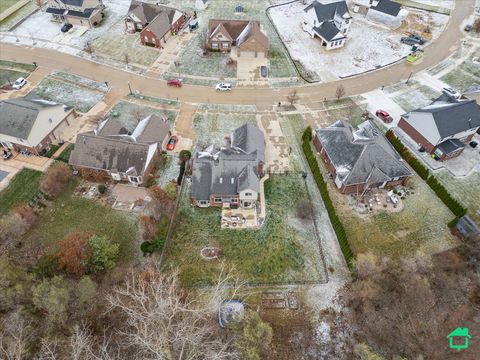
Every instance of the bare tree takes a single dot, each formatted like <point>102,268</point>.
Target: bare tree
<point>126,59</point>
<point>15,337</point>
<point>164,322</point>
<point>89,49</point>
<point>292,97</point>
<point>340,92</point>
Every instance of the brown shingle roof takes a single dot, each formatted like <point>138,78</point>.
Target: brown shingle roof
<point>240,30</point>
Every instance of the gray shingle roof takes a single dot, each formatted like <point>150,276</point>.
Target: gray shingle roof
<point>452,118</point>
<point>467,226</point>
<point>327,30</point>
<point>152,129</point>
<point>450,145</point>
<point>109,153</point>
<point>19,115</point>
<point>361,155</point>
<point>388,7</point>
<point>227,171</point>
<point>327,12</point>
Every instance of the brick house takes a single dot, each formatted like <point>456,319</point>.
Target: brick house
<point>113,152</point>
<point>443,127</point>
<point>241,37</point>
<point>360,159</point>
<point>230,175</point>
<point>87,13</point>
<point>156,23</point>
<point>33,124</point>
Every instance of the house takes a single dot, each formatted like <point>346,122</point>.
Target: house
<point>111,151</point>
<point>466,228</point>
<point>443,127</point>
<point>88,13</point>
<point>201,4</point>
<point>384,12</point>
<point>458,338</point>
<point>360,159</point>
<point>33,124</point>
<point>242,37</point>
<point>329,21</point>
<point>156,23</point>
<point>230,175</point>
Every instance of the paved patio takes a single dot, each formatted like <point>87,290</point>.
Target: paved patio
<point>239,218</point>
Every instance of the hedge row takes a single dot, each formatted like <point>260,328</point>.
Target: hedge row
<point>455,207</point>
<point>322,186</point>
<point>416,165</point>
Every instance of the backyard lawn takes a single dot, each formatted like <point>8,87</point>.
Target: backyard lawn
<point>285,249</point>
<point>21,189</point>
<point>69,213</point>
<point>65,155</point>
<point>466,190</point>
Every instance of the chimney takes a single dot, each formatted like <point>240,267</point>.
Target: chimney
<point>228,141</point>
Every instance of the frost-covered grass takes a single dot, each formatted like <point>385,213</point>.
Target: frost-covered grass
<point>167,102</point>
<point>278,252</point>
<point>471,68</point>
<point>466,190</point>
<point>66,93</point>
<point>7,76</point>
<point>227,108</point>
<point>80,80</point>
<point>11,20</point>
<point>459,79</point>
<point>129,114</point>
<point>420,226</point>
<point>416,98</point>
<point>211,128</point>
<point>168,169</point>
<point>344,109</point>
<point>5,4</point>
<point>16,65</point>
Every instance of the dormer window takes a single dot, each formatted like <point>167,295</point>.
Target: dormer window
<point>221,180</point>
<point>233,180</point>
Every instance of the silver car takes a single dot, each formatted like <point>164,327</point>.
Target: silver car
<point>223,86</point>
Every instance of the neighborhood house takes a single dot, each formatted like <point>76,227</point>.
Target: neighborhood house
<point>241,37</point>
<point>156,23</point>
<point>360,159</point>
<point>443,127</point>
<point>329,21</point>
<point>33,124</point>
<point>230,176</point>
<point>87,13</point>
<point>384,12</point>
<point>112,151</point>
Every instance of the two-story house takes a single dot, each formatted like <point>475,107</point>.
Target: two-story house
<point>329,21</point>
<point>88,13</point>
<point>230,175</point>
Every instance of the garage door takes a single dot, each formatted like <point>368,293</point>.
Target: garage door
<point>250,54</point>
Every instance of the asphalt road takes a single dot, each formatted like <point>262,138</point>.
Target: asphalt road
<point>118,79</point>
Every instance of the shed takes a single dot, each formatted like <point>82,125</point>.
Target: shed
<point>466,227</point>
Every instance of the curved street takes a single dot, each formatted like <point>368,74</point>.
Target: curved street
<point>118,79</point>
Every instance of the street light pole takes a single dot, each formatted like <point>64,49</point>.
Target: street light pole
<point>409,76</point>
<point>130,88</point>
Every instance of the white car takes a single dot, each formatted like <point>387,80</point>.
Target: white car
<point>223,87</point>
<point>451,92</point>
<point>19,83</point>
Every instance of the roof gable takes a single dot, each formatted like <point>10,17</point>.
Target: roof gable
<point>328,11</point>
<point>388,7</point>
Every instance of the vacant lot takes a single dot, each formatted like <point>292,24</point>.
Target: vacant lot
<point>66,93</point>
<point>211,128</point>
<point>129,114</point>
<point>5,4</point>
<point>9,21</point>
<point>285,249</point>
<point>21,189</point>
<point>70,213</point>
<point>466,190</point>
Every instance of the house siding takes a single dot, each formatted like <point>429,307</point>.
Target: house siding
<point>415,135</point>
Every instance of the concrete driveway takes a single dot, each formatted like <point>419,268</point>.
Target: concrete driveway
<point>248,71</point>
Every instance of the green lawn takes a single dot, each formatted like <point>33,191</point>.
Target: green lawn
<point>17,65</point>
<point>5,4</point>
<point>7,76</point>
<point>65,155</point>
<point>466,190</point>
<point>284,249</point>
<point>8,22</point>
<point>69,213</point>
<point>21,189</point>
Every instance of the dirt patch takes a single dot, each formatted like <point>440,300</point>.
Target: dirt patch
<point>211,253</point>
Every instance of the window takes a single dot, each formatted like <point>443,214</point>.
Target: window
<point>232,180</point>
<point>234,200</point>
<point>221,180</point>
<point>203,202</point>
<point>217,199</point>
<point>225,45</point>
<point>248,194</point>
<point>133,179</point>
<point>214,45</point>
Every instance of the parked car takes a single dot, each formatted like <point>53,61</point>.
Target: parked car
<point>19,83</point>
<point>223,86</point>
<point>66,27</point>
<point>412,39</point>
<point>175,82</point>
<point>6,155</point>
<point>25,152</point>
<point>193,24</point>
<point>263,71</point>
<point>385,116</point>
<point>473,144</point>
<point>172,142</point>
<point>468,28</point>
<point>451,92</point>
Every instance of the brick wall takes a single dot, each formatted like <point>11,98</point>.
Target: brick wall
<point>415,135</point>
